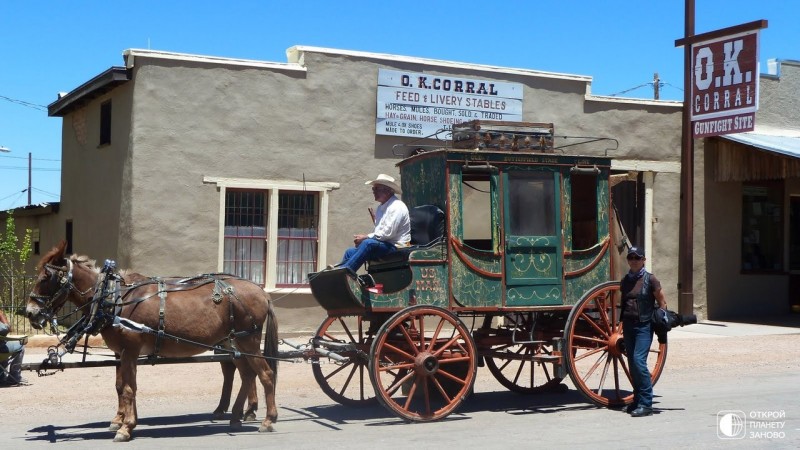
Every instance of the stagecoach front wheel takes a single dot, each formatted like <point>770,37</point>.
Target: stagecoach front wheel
<point>348,383</point>
<point>595,351</point>
<point>423,363</point>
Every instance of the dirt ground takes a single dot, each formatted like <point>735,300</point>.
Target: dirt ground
<point>198,385</point>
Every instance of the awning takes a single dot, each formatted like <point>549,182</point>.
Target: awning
<point>778,140</point>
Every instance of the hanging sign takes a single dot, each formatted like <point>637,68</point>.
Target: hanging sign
<point>724,90</point>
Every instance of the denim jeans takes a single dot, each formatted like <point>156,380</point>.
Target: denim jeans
<point>355,257</point>
<point>638,337</point>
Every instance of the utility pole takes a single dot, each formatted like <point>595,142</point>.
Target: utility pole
<point>656,82</point>
<point>29,178</point>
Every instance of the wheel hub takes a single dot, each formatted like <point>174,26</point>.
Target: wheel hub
<point>616,344</point>
<point>426,364</point>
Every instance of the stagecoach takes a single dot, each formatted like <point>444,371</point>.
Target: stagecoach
<point>514,267</point>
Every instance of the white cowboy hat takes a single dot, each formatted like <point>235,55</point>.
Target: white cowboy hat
<point>386,180</point>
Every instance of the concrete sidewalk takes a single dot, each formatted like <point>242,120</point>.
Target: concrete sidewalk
<point>710,328</point>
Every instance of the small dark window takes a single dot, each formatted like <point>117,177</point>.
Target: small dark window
<point>584,210</point>
<point>105,123</point>
<point>69,237</point>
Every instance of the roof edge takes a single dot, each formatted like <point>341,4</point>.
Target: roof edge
<point>130,59</point>
<point>101,83</point>
<point>295,54</point>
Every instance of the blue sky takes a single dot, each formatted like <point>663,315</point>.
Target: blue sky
<point>52,46</point>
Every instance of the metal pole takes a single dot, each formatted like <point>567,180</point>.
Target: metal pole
<point>685,240</point>
<point>29,178</point>
<point>656,81</point>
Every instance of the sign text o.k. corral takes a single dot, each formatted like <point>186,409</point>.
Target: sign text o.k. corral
<point>724,90</point>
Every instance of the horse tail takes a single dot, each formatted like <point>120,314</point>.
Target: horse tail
<point>271,341</point>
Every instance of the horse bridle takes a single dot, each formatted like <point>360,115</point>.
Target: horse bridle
<point>65,285</point>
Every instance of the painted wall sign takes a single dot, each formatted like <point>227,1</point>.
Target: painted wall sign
<point>419,105</point>
<point>724,91</point>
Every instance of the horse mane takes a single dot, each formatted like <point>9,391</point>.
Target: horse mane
<point>86,262</point>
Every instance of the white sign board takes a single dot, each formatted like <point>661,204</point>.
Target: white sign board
<point>421,105</point>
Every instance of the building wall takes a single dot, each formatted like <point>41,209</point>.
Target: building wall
<point>143,199</point>
<point>732,294</point>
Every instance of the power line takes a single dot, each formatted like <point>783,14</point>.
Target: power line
<point>25,157</point>
<point>24,103</point>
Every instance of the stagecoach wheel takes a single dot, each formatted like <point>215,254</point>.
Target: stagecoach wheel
<point>522,364</point>
<point>422,363</point>
<point>347,383</point>
<point>595,350</point>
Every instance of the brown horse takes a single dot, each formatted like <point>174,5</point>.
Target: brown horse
<point>225,309</point>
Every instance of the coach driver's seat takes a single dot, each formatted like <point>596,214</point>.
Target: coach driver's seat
<point>427,231</point>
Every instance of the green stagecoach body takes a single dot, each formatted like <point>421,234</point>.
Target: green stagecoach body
<point>522,230</point>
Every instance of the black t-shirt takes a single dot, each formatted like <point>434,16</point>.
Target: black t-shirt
<point>630,292</point>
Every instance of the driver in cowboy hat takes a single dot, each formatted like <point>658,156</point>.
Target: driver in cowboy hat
<point>392,226</point>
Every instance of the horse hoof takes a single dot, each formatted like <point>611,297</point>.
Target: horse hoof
<point>217,415</point>
<point>236,424</point>
<point>249,417</point>
<point>122,437</point>
<point>266,428</point>
<point>114,426</point>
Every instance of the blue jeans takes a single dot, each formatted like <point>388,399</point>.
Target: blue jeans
<point>638,337</point>
<point>355,257</point>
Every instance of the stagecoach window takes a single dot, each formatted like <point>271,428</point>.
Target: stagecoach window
<point>476,210</point>
<point>584,210</point>
<point>531,204</point>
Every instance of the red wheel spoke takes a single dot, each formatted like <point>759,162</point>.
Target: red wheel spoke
<point>410,396</point>
<point>603,342</point>
<point>595,365</point>
<point>594,325</point>
<point>398,382</point>
<point>399,351</point>
<point>589,353</point>
<point>411,344</point>
<point>603,376</point>
<point>436,334</point>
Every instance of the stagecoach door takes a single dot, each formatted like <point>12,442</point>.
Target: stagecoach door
<point>532,222</point>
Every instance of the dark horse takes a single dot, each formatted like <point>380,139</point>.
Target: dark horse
<point>224,310</point>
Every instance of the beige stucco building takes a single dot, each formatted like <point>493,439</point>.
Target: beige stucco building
<point>177,164</point>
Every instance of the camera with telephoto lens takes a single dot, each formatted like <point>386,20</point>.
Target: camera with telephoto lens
<point>665,320</point>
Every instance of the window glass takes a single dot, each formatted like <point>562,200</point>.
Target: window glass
<point>531,204</point>
<point>584,210</point>
<point>245,234</point>
<point>762,226</point>
<point>298,219</point>
<point>105,123</point>
<point>476,210</point>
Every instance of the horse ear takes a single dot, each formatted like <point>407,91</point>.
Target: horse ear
<point>62,248</point>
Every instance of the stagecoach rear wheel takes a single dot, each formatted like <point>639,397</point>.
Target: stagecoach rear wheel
<point>423,363</point>
<point>524,360</point>
<point>348,383</point>
<point>595,351</point>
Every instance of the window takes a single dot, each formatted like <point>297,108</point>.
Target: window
<point>584,210</point>
<point>105,123</point>
<point>298,216</point>
<point>476,207</point>
<point>246,234</point>
<point>247,240</point>
<point>762,226</point>
<point>531,208</point>
<point>272,232</point>
<point>68,237</point>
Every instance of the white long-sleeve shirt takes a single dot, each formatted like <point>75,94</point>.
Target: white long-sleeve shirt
<point>392,223</point>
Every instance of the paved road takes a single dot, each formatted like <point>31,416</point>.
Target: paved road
<point>717,370</point>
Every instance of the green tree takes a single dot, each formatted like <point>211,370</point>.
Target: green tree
<point>14,281</point>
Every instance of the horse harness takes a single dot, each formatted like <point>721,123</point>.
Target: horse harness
<point>109,299</point>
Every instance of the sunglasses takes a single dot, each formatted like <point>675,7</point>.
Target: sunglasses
<point>635,257</point>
